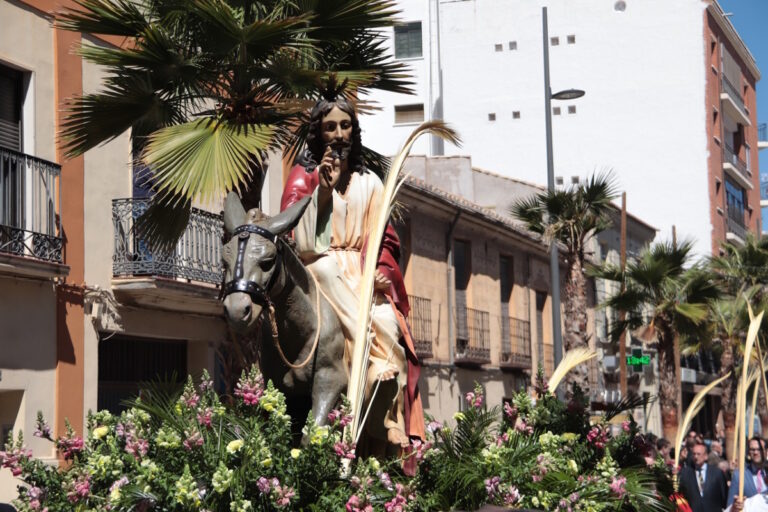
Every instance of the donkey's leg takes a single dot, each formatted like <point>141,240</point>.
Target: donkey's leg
<point>329,383</point>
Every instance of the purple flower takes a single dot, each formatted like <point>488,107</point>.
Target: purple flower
<point>433,426</point>
<point>81,490</point>
<point>263,485</point>
<point>42,429</point>
<point>345,450</point>
<point>492,487</point>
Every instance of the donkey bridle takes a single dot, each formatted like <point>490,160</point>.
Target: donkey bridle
<point>258,294</point>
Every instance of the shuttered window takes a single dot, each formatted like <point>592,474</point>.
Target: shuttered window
<point>408,40</point>
<point>10,108</point>
<point>405,114</point>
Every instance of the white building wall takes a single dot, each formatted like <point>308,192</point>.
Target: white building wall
<point>643,116</point>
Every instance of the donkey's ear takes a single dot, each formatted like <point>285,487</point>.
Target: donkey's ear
<point>234,213</point>
<point>287,219</point>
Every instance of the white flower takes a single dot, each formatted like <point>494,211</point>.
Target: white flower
<point>295,453</point>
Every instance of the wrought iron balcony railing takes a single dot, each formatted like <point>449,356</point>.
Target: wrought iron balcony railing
<point>473,337</point>
<point>30,196</point>
<point>734,93</point>
<point>420,320</point>
<point>515,343</point>
<point>197,255</point>
<point>734,223</point>
<point>730,156</point>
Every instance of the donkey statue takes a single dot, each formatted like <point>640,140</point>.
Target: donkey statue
<point>302,351</point>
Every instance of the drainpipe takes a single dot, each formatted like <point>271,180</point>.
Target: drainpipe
<point>451,286</point>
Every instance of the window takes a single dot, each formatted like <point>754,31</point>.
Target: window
<point>556,111</point>
<point>559,180</point>
<point>462,266</point>
<point>498,47</point>
<point>408,40</point>
<point>572,109</point>
<point>747,158</point>
<point>734,197</point>
<point>572,39</point>
<point>554,40</point>
<point>620,6</point>
<point>405,114</point>
<point>516,114</point>
<point>491,116</point>
<point>513,45</point>
<point>574,180</point>
<point>10,108</point>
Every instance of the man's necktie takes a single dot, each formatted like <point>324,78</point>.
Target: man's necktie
<point>760,481</point>
<point>701,481</point>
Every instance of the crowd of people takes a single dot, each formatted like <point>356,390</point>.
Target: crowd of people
<point>710,481</point>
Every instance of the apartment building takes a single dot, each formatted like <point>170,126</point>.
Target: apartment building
<point>88,311</point>
<point>669,104</point>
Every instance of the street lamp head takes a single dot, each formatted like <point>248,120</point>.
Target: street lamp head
<point>568,94</point>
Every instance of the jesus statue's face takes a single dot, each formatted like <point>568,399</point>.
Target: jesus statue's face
<point>337,127</point>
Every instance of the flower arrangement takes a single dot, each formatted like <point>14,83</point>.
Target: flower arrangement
<point>191,451</point>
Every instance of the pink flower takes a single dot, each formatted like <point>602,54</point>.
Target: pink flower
<point>625,426</point>
<point>396,504</point>
<point>136,446</point>
<point>492,487</point>
<point>597,437</point>
<point>385,480</point>
<point>524,428</point>
<point>82,489</point>
<point>354,504</point>
<point>345,450</point>
<point>193,440</point>
<point>70,446</point>
<point>510,412</point>
<point>204,417</point>
<point>433,426</point>
<point>617,486</point>
<point>42,429</point>
<point>284,495</point>
<point>250,388</point>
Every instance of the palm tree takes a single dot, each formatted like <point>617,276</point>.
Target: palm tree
<point>663,300</point>
<point>207,87</point>
<point>571,217</point>
<point>742,273</point>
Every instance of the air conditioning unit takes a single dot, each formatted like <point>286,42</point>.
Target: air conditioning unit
<point>610,363</point>
<point>688,375</point>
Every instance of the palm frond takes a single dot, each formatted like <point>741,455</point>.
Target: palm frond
<point>206,158</point>
<point>108,17</point>
<point>754,327</point>
<point>162,224</point>
<point>572,359</point>
<point>628,403</point>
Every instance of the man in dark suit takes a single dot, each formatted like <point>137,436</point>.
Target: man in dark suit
<point>754,483</point>
<point>703,485</point>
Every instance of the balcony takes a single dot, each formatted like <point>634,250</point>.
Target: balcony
<point>473,337</point>
<point>735,231</point>
<point>186,279</point>
<point>736,167</point>
<point>420,320</point>
<point>515,344</point>
<point>733,102</point>
<point>30,234</point>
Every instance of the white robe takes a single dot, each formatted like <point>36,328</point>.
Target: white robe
<point>330,246</point>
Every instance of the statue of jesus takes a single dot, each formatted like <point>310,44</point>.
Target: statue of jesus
<point>330,239</point>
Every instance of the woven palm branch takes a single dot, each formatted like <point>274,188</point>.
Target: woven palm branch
<point>571,360</point>
<point>356,387</point>
<point>693,409</point>
<point>754,327</point>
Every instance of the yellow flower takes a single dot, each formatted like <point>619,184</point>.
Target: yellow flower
<point>267,462</point>
<point>459,416</point>
<point>573,466</point>
<point>234,446</point>
<point>374,463</point>
<point>319,435</point>
<point>295,453</point>
<point>569,436</point>
<point>100,432</point>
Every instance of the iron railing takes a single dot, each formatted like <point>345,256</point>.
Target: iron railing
<point>197,255</point>
<point>515,342</point>
<point>473,336</point>
<point>420,320</point>
<point>30,195</point>
<point>730,156</point>
<point>734,93</point>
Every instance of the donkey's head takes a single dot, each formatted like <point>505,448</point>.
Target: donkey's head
<point>251,258</point>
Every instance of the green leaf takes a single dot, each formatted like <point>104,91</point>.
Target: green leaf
<point>207,158</point>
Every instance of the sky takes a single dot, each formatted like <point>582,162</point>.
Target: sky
<point>750,17</point>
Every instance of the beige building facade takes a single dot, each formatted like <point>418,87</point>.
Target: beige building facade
<point>87,310</point>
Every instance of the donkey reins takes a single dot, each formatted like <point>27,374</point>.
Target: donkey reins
<point>258,294</point>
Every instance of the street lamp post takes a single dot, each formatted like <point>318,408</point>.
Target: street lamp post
<point>554,262</point>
